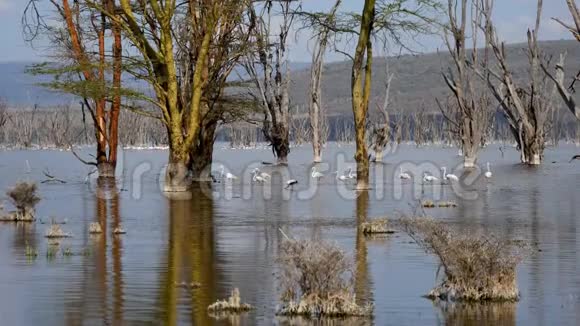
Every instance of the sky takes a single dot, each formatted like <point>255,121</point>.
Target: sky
<point>512,18</point>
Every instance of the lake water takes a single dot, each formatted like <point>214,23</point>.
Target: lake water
<point>229,237</point>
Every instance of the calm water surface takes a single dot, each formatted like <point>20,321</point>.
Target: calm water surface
<point>230,238</point>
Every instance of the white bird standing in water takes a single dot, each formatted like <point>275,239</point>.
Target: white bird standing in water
<point>488,174</point>
<point>261,174</point>
<point>429,178</point>
<point>227,175</point>
<point>449,176</point>
<point>404,175</point>
<point>340,177</point>
<point>256,177</point>
<point>350,174</point>
<point>315,174</point>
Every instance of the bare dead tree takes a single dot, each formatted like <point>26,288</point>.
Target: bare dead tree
<point>267,66</point>
<point>419,126</point>
<point>575,12</point>
<point>382,132</point>
<point>527,107</point>
<point>321,25</point>
<point>567,92</point>
<point>469,118</point>
<point>3,112</point>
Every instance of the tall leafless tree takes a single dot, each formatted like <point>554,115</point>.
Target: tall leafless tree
<point>469,117</point>
<point>527,107</point>
<point>321,25</point>
<point>382,132</point>
<point>268,67</point>
<point>567,92</point>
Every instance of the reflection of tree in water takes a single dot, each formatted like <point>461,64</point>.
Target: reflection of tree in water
<point>190,259</point>
<point>102,284</point>
<point>362,282</point>
<point>24,233</point>
<point>108,215</point>
<point>467,314</point>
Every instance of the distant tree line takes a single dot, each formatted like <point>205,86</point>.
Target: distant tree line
<point>64,127</point>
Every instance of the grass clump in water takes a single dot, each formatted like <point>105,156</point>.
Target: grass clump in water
<point>95,228</point>
<point>119,230</point>
<point>30,252</point>
<point>232,305</point>
<point>428,204</point>
<point>378,226</point>
<point>24,197</point>
<point>446,204</point>
<point>317,281</point>
<point>67,252</point>
<point>475,267</point>
<point>56,232</point>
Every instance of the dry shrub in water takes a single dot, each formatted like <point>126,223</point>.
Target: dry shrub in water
<point>316,280</point>
<point>446,204</point>
<point>428,203</point>
<point>232,305</point>
<point>95,228</point>
<point>476,267</point>
<point>375,227</point>
<point>55,232</point>
<point>23,196</point>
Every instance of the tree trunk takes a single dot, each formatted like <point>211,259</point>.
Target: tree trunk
<point>116,103</point>
<point>469,161</point>
<point>281,143</point>
<point>202,154</point>
<point>361,92</point>
<point>177,176</point>
<point>315,125</point>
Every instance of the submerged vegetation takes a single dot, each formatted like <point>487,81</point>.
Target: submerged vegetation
<point>378,226</point>
<point>56,232</point>
<point>476,267</point>
<point>316,280</point>
<point>95,228</point>
<point>232,305</point>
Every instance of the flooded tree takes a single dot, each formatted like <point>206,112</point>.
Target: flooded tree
<point>361,90</point>
<point>381,134</point>
<point>527,106</point>
<point>184,52</point>
<point>469,115</point>
<point>392,22</point>
<point>82,67</point>
<point>3,112</point>
<point>321,24</point>
<point>267,65</point>
<point>567,92</point>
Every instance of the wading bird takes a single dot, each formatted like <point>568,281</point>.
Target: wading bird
<point>404,175</point>
<point>261,174</point>
<point>340,177</point>
<point>227,175</point>
<point>290,183</point>
<point>429,178</point>
<point>350,174</point>
<point>315,174</point>
<point>488,174</point>
<point>449,176</point>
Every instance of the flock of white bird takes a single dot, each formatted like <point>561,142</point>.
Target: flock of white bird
<point>261,177</point>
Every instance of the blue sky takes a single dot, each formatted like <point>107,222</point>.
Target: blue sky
<point>512,18</point>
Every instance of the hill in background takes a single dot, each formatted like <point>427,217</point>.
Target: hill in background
<point>417,80</point>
